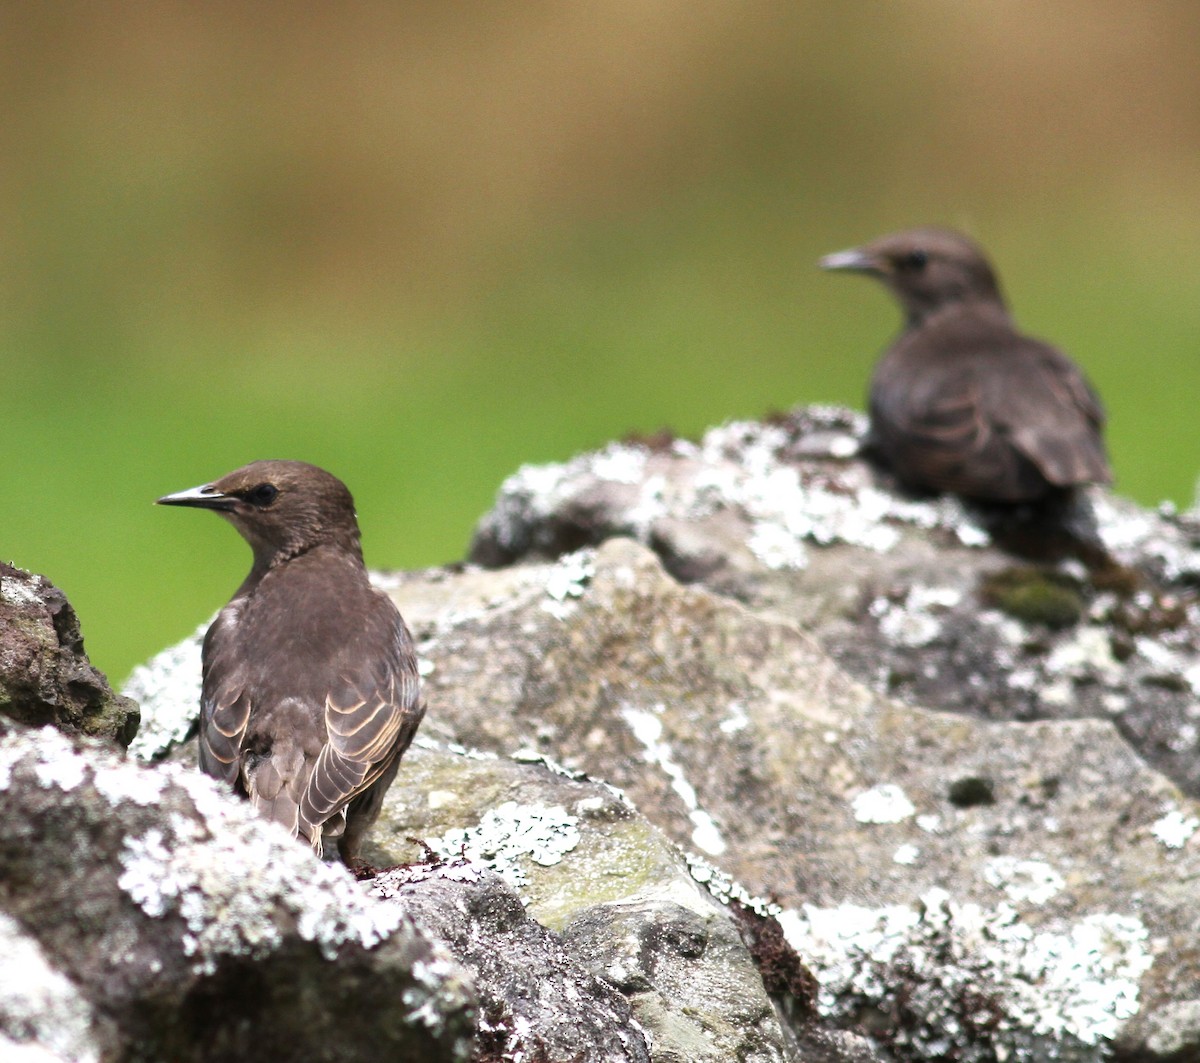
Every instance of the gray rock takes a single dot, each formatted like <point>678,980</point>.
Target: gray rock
<point>689,975</point>
<point>45,676</point>
<point>622,899</point>
<point>535,999</point>
<point>148,916</point>
<point>903,592</point>
<point>758,644</point>
<point>955,883</point>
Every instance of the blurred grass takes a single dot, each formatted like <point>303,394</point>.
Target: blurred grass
<point>552,239</point>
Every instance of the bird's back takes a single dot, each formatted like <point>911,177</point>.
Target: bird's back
<point>310,691</point>
<point>963,402</point>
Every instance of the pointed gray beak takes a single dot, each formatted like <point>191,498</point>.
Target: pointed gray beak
<point>205,497</point>
<point>855,260</point>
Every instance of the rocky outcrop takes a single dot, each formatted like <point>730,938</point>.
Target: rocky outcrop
<point>616,896</point>
<point>147,916</point>
<point>951,880</point>
<point>905,593</point>
<point>883,791</point>
<point>45,676</point>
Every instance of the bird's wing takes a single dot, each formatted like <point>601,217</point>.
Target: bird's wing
<point>1060,421</point>
<point>940,437</point>
<point>370,715</point>
<point>1006,417</point>
<point>224,702</point>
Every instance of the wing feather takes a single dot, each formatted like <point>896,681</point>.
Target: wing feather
<point>370,718</point>
<point>225,702</point>
<point>1060,433</point>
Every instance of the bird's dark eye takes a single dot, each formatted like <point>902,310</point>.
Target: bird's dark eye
<point>262,495</point>
<point>913,261</point>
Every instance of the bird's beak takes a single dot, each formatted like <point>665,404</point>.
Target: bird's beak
<point>206,497</point>
<point>855,260</point>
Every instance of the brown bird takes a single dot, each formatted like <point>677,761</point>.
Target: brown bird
<point>310,693</point>
<point>962,401</point>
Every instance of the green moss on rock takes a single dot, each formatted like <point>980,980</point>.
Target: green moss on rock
<point>1034,596</point>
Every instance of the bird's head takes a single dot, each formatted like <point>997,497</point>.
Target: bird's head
<point>927,269</point>
<point>281,508</point>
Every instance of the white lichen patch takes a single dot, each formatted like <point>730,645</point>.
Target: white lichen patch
<point>779,503</point>
<point>1175,828</point>
<point>18,592</point>
<point>651,504</point>
<point>1088,651</point>
<point>566,582</point>
<point>11,754</point>
<point>1163,661</point>
<point>167,687</point>
<point>425,1000</point>
<point>65,771</point>
<point>40,1007</point>
<point>59,765</point>
<point>776,547</point>
<point>510,836</point>
<point>789,484</point>
<point>1029,881</point>
<point>460,750</point>
<point>390,883</point>
<point>128,782</point>
<point>725,888</point>
<point>647,728</point>
<point>885,803</point>
<point>917,620</point>
<point>55,762</point>
<point>1040,990</point>
<point>534,492</point>
<point>903,628</point>
<point>620,464</point>
<point>1128,532</point>
<point>1057,694</point>
<point>234,880</point>
<point>735,719</point>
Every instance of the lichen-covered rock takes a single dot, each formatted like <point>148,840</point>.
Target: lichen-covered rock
<point>1068,866</point>
<point>904,593</point>
<point>168,692</point>
<point>41,1010</point>
<point>536,1001</point>
<point>149,916</point>
<point>45,676</point>
<point>762,673</point>
<point>627,905</point>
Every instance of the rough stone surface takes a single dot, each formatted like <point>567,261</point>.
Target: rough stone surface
<point>45,676</point>
<point>962,779</point>
<point>902,592</point>
<point>148,916</point>
<point>536,1001</point>
<point>955,882</point>
<point>626,903</point>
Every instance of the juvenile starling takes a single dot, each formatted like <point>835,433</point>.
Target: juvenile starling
<point>310,693</point>
<point>962,401</point>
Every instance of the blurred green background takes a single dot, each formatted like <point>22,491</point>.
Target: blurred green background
<point>423,243</point>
